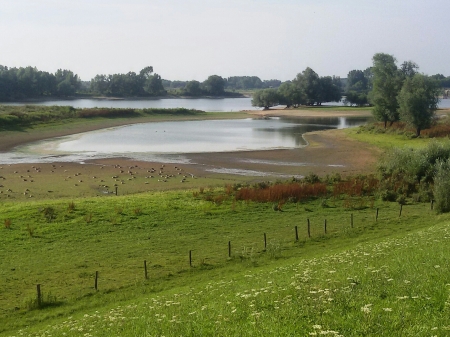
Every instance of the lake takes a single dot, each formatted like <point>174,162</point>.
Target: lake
<point>168,141</point>
<point>205,104</point>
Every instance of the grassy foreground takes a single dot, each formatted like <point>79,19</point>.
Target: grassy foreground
<point>386,277</point>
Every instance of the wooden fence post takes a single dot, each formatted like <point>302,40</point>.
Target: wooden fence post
<point>351,220</point>
<point>401,207</point>
<point>39,295</point>
<point>376,218</point>
<point>116,190</point>
<point>432,204</point>
<point>325,226</point>
<point>265,241</point>
<point>296,233</point>
<point>229,248</point>
<point>190,258</point>
<point>96,281</point>
<point>145,269</point>
<point>309,229</point>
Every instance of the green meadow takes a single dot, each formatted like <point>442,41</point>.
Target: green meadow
<point>377,277</point>
<point>201,262</point>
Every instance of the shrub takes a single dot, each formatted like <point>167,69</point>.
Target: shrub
<point>49,213</point>
<point>442,186</point>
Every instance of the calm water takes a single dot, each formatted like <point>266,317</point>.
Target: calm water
<point>205,104</point>
<point>168,141</point>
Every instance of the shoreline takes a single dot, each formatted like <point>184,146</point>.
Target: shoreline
<point>327,152</point>
<point>12,139</point>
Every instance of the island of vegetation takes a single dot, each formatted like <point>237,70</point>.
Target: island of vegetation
<point>119,247</point>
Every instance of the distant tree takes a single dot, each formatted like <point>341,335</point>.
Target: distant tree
<point>289,95</point>
<point>271,83</point>
<point>357,87</point>
<point>329,90</point>
<point>356,98</point>
<point>387,82</point>
<point>130,84</point>
<point>357,81</point>
<point>308,82</point>
<point>193,88</point>
<point>67,83</point>
<point>214,85</point>
<point>418,99</point>
<point>265,98</point>
<point>409,69</point>
<point>100,85</point>
<point>243,82</point>
<point>153,86</point>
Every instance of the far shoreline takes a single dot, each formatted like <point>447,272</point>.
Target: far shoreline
<point>12,139</point>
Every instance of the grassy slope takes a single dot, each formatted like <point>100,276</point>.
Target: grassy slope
<point>121,232</point>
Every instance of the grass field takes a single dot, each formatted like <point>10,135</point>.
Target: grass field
<point>60,245</point>
<point>361,276</point>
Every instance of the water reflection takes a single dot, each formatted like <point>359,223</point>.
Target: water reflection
<point>173,139</point>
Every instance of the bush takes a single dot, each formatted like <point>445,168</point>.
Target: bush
<point>442,186</point>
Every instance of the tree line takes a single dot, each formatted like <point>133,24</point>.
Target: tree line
<point>397,93</point>
<point>307,88</point>
<point>29,82</point>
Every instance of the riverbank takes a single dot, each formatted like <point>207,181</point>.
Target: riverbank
<point>328,152</point>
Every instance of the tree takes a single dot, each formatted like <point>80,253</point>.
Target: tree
<point>153,86</point>
<point>265,98</point>
<point>214,85</point>
<point>355,98</point>
<point>387,82</point>
<point>418,101</point>
<point>289,95</point>
<point>329,90</point>
<point>308,83</point>
<point>409,69</point>
<point>193,88</point>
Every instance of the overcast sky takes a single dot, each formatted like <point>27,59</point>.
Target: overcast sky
<point>192,39</point>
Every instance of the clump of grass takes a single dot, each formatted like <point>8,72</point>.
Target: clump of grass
<point>88,217</point>
<point>202,190</point>
<point>137,211</point>
<point>7,223</point>
<point>42,302</point>
<point>119,210</point>
<point>49,213</point>
<point>71,207</point>
<point>30,230</point>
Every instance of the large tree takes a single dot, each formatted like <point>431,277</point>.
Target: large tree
<point>265,98</point>
<point>308,82</point>
<point>329,90</point>
<point>214,85</point>
<point>387,83</point>
<point>418,100</point>
<point>290,95</point>
<point>193,88</point>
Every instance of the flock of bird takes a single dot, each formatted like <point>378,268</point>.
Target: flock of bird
<point>121,175</point>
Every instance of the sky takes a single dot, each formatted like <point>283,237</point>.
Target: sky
<point>192,39</point>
